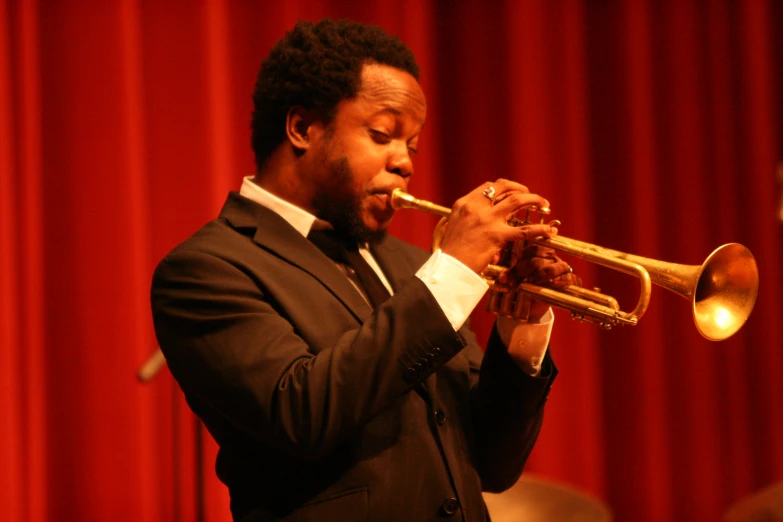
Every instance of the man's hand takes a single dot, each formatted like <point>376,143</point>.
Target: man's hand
<point>539,266</point>
<point>478,227</point>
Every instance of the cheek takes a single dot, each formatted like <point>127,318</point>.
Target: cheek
<point>369,162</point>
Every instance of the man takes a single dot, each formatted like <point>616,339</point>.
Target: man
<point>339,380</point>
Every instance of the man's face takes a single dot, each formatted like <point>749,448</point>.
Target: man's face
<point>367,151</point>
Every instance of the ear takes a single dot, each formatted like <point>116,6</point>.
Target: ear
<point>300,128</point>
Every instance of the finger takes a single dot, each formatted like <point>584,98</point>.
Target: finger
<point>530,251</point>
<point>516,201</point>
<point>552,271</point>
<point>567,279</point>
<point>504,187</point>
<point>479,191</point>
<point>544,272</point>
<point>528,232</point>
<point>531,269</point>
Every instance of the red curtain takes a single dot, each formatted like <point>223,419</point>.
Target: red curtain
<point>653,127</point>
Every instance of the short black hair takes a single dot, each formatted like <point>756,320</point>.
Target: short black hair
<point>317,65</point>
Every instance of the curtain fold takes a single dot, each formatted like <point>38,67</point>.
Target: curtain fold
<point>652,127</point>
<point>23,339</point>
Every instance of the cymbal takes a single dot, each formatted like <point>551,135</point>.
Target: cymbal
<point>766,504</point>
<point>536,499</point>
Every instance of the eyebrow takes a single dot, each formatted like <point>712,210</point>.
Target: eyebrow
<point>393,110</point>
<point>389,108</point>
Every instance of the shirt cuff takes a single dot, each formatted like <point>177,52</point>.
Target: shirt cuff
<point>456,288</point>
<point>527,341</point>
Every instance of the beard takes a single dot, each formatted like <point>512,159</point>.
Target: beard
<point>341,206</point>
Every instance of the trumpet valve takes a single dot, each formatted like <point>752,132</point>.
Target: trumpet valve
<point>495,299</point>
<point>541,211</point>
<point>522,306</point>
<point>507,304</point>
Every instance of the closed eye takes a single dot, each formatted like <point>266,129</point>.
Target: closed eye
<point>380,137</point>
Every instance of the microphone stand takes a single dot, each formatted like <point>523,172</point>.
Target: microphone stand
<point>145,374</point>
<point>151,367</point>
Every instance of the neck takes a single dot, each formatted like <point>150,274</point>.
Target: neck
<point>280,177</point>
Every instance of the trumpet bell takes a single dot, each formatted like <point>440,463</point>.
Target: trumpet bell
<point>726,291</point>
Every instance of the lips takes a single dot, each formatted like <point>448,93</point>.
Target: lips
<point>386,190</point>
<point>380,202</point>
<point>382,196</point>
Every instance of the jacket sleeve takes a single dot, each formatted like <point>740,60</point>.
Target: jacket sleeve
<point>508,410</point>
<point>227,346</point>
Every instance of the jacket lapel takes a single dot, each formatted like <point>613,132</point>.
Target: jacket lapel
<point>273,233</point>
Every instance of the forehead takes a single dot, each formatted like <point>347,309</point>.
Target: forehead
<point>386,89</point>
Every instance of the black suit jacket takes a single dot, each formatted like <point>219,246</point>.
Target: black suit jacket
<point>322,408</point>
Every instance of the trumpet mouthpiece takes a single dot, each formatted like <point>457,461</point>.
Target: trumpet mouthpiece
<point>401,199</point>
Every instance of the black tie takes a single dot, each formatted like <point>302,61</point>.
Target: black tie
<point>342,250</point>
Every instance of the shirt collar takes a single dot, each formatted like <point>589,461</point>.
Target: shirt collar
<point>298,218</point>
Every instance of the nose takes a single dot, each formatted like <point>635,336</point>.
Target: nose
<point>400,162</point>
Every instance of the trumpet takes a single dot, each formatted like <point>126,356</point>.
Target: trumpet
<point>722,290</point>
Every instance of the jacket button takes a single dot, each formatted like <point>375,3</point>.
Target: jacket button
<point>440,418</point>
<point>450,506</point>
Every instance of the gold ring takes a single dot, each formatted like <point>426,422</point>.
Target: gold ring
<point>489,193</point>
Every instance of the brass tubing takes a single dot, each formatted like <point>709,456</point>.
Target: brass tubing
<point>504,304</point>
<point>600,256</point>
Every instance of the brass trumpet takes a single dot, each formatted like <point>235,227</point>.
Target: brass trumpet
<point>722,290</point>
